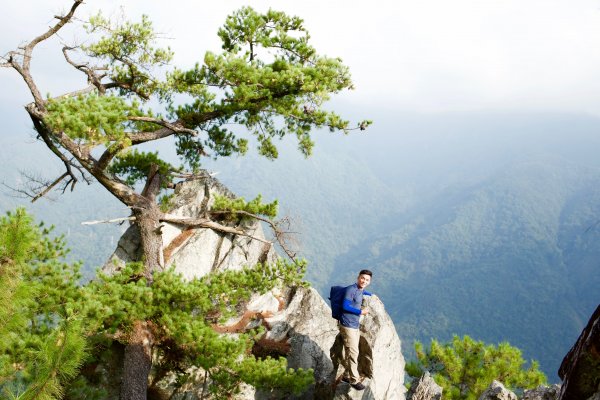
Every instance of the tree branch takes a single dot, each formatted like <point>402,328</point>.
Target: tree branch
<point>207,223</point>
<point>93,79</point>
<point>108,221</point>
<point>50,186</point>
<point>176,127</point>
<point>24,68</point>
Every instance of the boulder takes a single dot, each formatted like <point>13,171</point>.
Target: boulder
<point>497,391</point>
<point>580,369</point>
<point>542,393</point>
<point>424,388</point>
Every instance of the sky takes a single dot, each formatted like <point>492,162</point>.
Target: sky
<point>423,56</point>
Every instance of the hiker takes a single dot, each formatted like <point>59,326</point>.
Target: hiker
<point>349,324</point>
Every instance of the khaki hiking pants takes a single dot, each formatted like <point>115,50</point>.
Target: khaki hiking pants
<point>350,358</point>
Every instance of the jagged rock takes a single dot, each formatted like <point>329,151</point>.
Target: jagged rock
<point>542,393</point>
<point>306,324</point>
<point>580,369</point>
<point>298,320</point>
<point>425,388</point>
<point>497,391</point>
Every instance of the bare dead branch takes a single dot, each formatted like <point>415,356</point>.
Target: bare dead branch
<point>207,223</point>
<point>49,187</point>
<point>35,186</point>
<point>108,221</point>
<point>61,22</point>
<point>23,68</point>
<point>93,78</point>
<point>281,236</point>
<point>76,93</point>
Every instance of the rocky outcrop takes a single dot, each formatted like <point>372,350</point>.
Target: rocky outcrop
<point>580,369</point>
<point>542,393</point>
<point>425,388</point>
<point>298,321</point>
<point>197,251</point>
<point>497,391</point>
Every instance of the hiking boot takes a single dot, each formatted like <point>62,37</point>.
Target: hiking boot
<point>359,386</point>
<point>346,379</point>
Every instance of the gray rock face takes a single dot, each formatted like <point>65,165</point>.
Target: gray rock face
<point>425,388</point>
<point>542,393</point>
<point>497,391</point>
<point>580,369</point>
<point>298,320</point>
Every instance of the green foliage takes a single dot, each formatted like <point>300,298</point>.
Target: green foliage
<point>255,206</point>
<point>57,362</point>
<point>165,202</point>
<point>92,118</point>
<point>135,166</point>
<point>183,315</point>
<point>41,341</point>
<point>268,79</point>
<point>465,368</point>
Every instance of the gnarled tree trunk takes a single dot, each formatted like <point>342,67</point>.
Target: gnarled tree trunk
<point>137,361</point>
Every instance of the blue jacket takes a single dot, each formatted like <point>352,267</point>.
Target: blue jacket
<point>351,306</point>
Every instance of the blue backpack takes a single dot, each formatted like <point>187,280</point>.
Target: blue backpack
<point>336,296</point>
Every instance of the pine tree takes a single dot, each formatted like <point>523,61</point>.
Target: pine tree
<point>268,80</point>
<point>464,368</point>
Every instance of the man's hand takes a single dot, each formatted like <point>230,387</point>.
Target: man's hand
<point>364,311</point>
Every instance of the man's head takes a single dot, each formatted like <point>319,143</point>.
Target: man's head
<point>364,278</point>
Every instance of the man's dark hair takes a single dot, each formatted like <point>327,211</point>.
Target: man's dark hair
<point>365,272</point>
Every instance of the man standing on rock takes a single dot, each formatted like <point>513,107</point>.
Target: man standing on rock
<point>349,325</point>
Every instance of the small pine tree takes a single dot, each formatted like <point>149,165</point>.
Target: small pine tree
<point>182,315</point>
<point>464,368</point>
<point>41,341</point>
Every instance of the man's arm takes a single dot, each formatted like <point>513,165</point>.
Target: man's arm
<point>347,305</point>
<point>349,309</point>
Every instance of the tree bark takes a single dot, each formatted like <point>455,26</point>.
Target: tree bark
<point>138,352</point>
<point>137,363</point>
